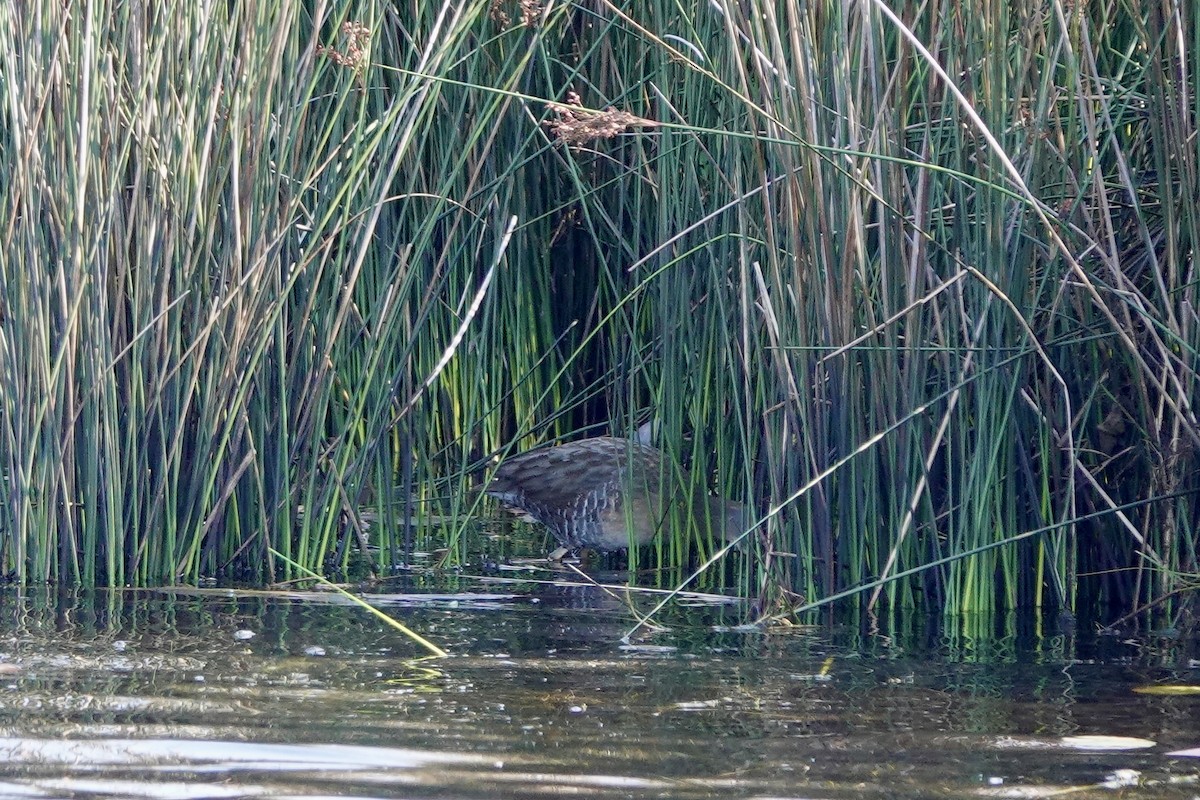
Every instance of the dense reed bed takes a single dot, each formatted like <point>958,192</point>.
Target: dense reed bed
<point>921,289</point>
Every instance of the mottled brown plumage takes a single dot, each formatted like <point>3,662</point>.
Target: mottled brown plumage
<point>597,492</point>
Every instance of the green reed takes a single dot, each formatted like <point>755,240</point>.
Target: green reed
<point>895,317</point>
<point>236,256</point>
<point>292,283</point>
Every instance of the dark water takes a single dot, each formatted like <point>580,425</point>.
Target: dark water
<point>189,695</point>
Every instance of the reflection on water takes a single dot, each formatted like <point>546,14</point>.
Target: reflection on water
<point>178,694</point>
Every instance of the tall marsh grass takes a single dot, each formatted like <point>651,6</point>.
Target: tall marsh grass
<point>918,283</point>
<point>234,270</point>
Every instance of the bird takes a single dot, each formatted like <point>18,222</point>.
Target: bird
<point>604,493</point>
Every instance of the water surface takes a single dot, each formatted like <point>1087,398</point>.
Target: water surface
<point>181,694</point>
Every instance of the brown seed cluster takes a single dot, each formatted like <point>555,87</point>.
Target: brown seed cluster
<point>531,13</point>
<point>355,55</point>
<point>576,125</point>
